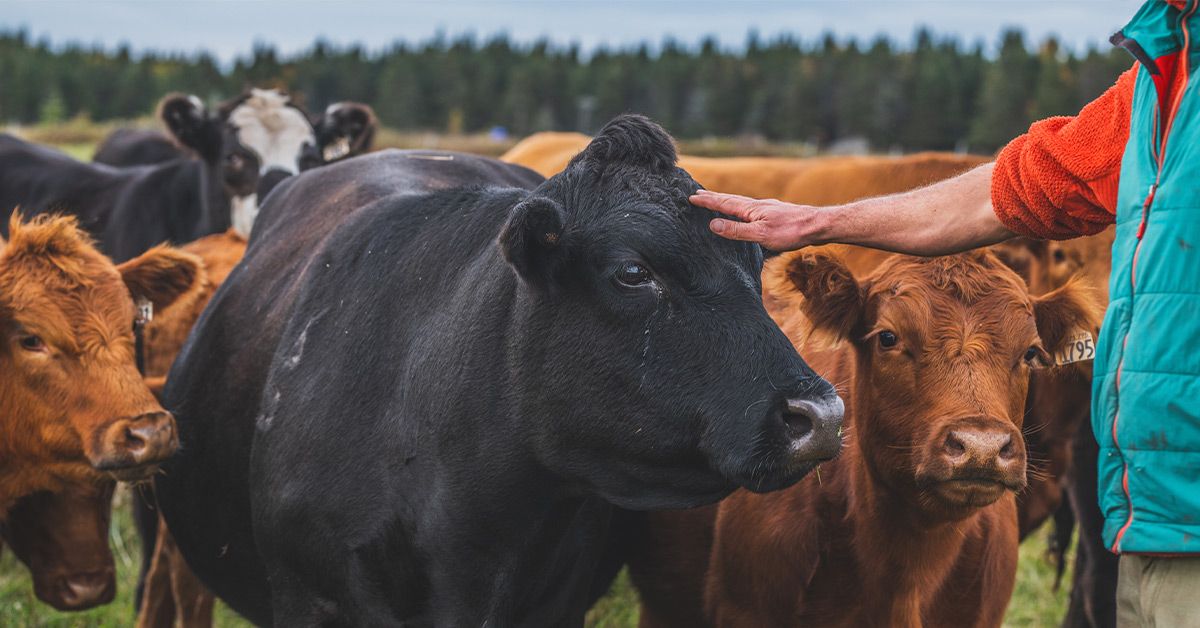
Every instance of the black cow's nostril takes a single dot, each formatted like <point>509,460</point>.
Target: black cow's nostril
<point>799,424</point>
<point>801,415</point>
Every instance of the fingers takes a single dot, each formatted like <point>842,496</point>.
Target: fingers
<point>730,204</point>
<point>733,230</point>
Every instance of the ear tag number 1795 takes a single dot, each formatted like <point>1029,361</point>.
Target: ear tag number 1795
<point>1079,348</point>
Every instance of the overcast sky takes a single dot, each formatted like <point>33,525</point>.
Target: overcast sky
<point>228,28</point>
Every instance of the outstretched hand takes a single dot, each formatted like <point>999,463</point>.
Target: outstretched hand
<point>776,225</point>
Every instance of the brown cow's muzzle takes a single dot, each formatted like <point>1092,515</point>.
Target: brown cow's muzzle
<point>972,461</point>
<point>78,591</point>
<point>131,449</point>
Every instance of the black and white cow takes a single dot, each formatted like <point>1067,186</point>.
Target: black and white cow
<point>344,130</point>
<point>433,375</point>
<point>260,136</point>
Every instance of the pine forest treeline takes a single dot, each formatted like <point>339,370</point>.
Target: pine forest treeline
<point>933,93</point>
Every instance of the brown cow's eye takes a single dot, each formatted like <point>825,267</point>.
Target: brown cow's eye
<point>32,343</point>
<point>887,339</point>
<point>1031,355</point>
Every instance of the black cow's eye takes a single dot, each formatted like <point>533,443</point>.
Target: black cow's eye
<point>887,339</point>
<point>32,343</point>
<point>633,274</point>
<point>1031,354</point>
<point>235,161</point>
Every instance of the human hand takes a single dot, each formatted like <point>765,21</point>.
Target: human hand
<point>776,225</point>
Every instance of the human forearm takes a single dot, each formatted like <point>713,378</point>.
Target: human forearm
<point>946,217</point>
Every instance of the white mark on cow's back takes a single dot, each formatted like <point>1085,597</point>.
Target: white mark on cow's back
<point>298,347</point>
<point>264,420</point>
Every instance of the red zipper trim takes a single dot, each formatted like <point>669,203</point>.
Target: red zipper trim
<point>1161,145</point>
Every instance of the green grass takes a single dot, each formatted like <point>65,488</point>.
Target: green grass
<point>1034,603</point>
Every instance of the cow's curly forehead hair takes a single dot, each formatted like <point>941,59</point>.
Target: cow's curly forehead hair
<point>634,155</point>
<point>968,277</point>
<point>53,245</point>
<point>52,275</point>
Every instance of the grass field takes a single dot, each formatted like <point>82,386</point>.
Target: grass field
<point>1034,603</point>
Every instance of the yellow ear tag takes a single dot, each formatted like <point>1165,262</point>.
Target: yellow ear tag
<point>1079,348</point>
<point>145,310</point>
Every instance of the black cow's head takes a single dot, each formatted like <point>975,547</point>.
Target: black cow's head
<point>646,338</point>
<point>254,141</point>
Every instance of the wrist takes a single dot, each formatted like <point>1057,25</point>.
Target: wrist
<point>825,225</point>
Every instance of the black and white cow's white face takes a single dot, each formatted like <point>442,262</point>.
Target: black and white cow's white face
<point>264,128</point>
<point>256,141</point>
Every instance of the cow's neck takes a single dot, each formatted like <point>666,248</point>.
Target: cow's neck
<point>215,207</point>
<point>200,193</point>
<point>899,549</point>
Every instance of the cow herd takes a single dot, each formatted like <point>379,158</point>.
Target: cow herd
<point>429,388</point>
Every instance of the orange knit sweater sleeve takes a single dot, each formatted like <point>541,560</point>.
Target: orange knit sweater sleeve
<point>1059,180</point>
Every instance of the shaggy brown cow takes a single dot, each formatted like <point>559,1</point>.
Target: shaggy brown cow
<point>816,181</point>
<point>62,537</point>
<point>172,593</point>
<point>915,522</point>
<point>71,398</point>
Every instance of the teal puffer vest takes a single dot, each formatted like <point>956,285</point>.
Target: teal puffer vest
<point>1146,391</point>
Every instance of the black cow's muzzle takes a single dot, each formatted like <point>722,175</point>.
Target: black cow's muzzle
<point>814,427</point>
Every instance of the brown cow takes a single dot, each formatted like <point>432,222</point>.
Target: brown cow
<point>815,181</point>
<point>71,398</point>
<point>62,537</point>
<point>915,522</point>
<point>172,593</point>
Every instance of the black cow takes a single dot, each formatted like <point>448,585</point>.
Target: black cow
<point>137,147</point>
<point>344,130</point>
<point>131,209</point>
<point>417,396</point>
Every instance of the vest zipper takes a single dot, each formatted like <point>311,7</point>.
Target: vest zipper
<point>1161,146</point>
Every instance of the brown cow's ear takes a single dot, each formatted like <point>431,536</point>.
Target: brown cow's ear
<point>832,297</point>
<point>1065,312</point>
<point>163,275</point>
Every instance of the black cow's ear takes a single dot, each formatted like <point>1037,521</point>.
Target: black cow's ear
<point>531,238</point>
<point>345,129</point>
<point>189,124</point>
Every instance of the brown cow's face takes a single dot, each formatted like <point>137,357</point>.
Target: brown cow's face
<point>62,538</point>
<point>71,396</point>
<point>945,348</point>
